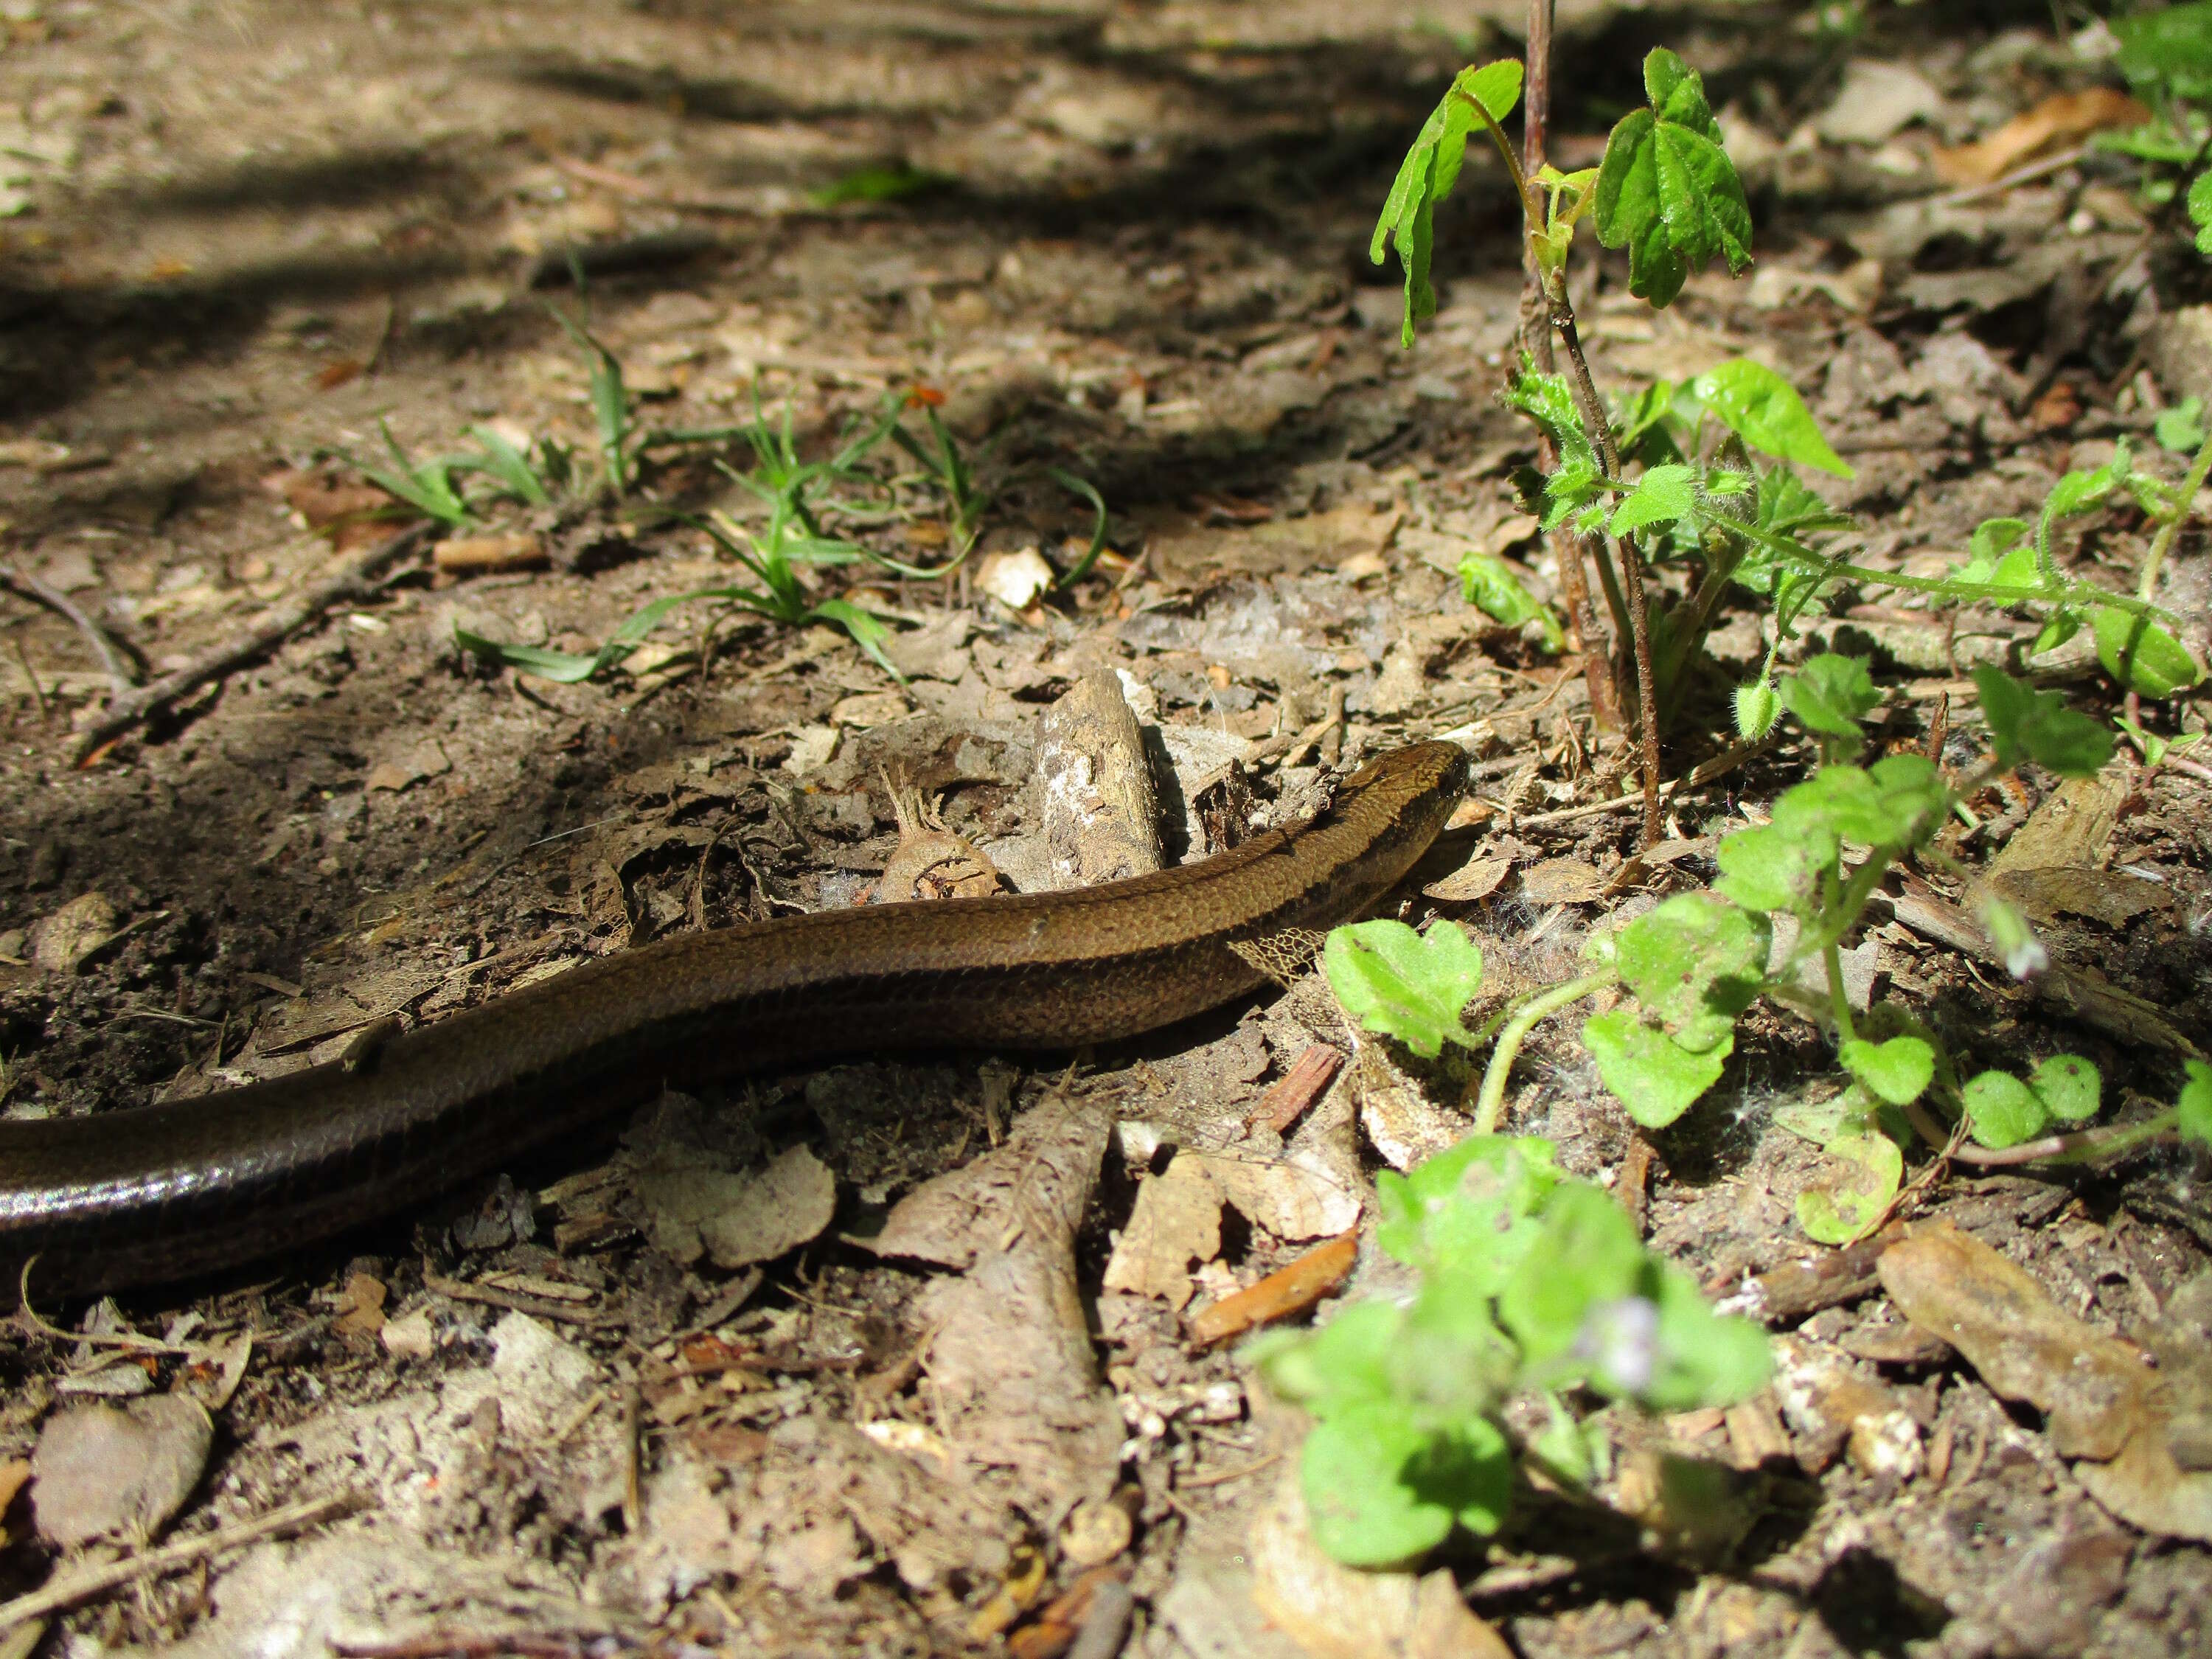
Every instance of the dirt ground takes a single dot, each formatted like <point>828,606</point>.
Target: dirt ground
<point>672,1392</point>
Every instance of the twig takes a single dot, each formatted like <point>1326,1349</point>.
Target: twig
<point>360,577</point>
<point>2028,174</point>
<point>119,673</point>
<point>83,1586</point>
<point>541,1307</point>
<point>1225,1476</point>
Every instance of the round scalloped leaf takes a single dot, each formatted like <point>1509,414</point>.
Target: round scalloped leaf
<point>1654,1077</point>
<point>1865,1172</point>
<point>1898,1070</point>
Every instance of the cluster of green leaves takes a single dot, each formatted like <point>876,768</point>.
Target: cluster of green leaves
<point>802,499</point>
<point>1686,971</point>
<point>1531,1284</point>
<point>439,486</point>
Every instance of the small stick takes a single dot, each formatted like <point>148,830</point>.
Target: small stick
<point>118,672</point>
<point>460,1291</point>
<point>1310,1073</point>
<point>81,1587</point>
<point>361,577</point>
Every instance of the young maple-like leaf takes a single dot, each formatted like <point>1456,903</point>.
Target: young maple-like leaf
<point>1668,190</point>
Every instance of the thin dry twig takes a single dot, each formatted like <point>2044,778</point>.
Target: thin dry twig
<point>81,1587</point>
<point>360,577</point>
<point>120,674</point>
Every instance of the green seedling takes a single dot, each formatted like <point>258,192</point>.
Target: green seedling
<point>1685,972</point>
<point>1532,1286</point>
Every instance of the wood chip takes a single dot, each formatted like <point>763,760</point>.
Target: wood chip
<point>1285,1291</point>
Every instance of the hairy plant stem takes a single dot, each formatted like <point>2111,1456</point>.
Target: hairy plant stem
<point>2170,526</point>
<point>1567,547</point>
<point>1489,1106</point>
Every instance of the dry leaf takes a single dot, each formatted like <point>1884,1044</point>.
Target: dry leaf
<point>2103,1405</point>
<point>2110,896</point>
<point>1562,881</point>
<point>1478,879</point>
<point>2064,117</point>
<point>1174,1225</point>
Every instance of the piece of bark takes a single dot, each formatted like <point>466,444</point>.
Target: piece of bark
<point>1101,813</point>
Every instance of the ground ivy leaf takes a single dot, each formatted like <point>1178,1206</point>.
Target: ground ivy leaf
<point>1846,1205</point>
<point>1345,1361</point>
<point>2069,1087</point>
<point>1694,962</point>
<point>1407,984</point>
<point>1472,1207</point>
<point>2200,208</point>
<point>1654,1077</point>
<point>1898,1070</point>
<point>1775,867</point>
<point>2140,654</point>
<point>1662,496</point>
<point>1588,1256</point>
<point>2003,1111</point>
<point>1353,1472</point>
<point>1666,190</point>
<point>1701,1357</point>
<point>2193,1109</point>
<point>1830,694</point>
<point>1765,411</point>
<point>2026,724</point>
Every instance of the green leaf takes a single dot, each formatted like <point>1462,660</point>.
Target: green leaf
<point>1548,401</point>
<point>2069,1087</point>
<point>1426,177</point>
<point>502,460</point>
<point>2026,724</point>
<point>2200,209</point>
<point>883,183</point>
<point>1899,1071</point>
<point>1830,695</point>
<point>2193,1109</point>
<point>2074,493</point>
<point>1492,587</point>
<point>561,667</point>
<point>1588,1256</point>
<point>2181,427</point>
<point>1666,190</point>
<point>1472,1207</point>
<point>1758,706</point>
<point>2001,1110</point>
<point>1822,1119</point>
<point>1404,984</point>
<point>1654,1077</point>
<point>1354,1472</point>
<point>867,630</point>
<point>1694,962</point>
<point>1897,803</point>
<point>1848,1202</point>
<point>1346,1361</point>
<point>2168,48</point>
<point>2140,654</point>
<point>1776,867</point>
<point>1765,411</point>
<point>1703,1357</point>
<point>1662,496</point>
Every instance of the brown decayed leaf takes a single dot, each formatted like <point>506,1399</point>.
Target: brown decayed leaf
<point>2061,119</point>
<point>2103,1405</point>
